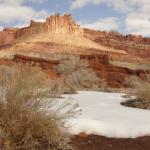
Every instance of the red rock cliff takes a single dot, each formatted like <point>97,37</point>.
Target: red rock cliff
<point>54,24</point>
<point>7,36</point>
<point>137,46</point>
<point>113,75</point>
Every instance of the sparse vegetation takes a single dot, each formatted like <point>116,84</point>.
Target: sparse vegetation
<point>141,91</point>
<point>134,66</point>
<point>31,118</point>
<point>141,88</point>
<point>77,73</point>
<point>114,32</point>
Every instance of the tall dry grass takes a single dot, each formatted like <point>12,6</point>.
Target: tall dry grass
<point>77,73</point>
<point>141,90</point>
<point>31,118</point>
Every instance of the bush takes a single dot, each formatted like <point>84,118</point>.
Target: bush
<point>77,73</point>
<point>31,118</point>
<point>114,32</point>
<point>141,90</point>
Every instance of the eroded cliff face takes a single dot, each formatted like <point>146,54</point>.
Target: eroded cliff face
<point>55,24</point>
<point>63,30</point>
<point>137,46</point>
<point>7,36</point>
<point>98,47</point>
<point>113,75</point>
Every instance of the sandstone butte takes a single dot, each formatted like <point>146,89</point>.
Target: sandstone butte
<point>61,34</point>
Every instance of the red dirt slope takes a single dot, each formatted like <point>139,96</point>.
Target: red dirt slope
<point>93,142</point>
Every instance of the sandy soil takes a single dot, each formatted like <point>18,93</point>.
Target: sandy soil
<point>94,142</point>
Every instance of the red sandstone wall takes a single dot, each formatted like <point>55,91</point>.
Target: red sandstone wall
<point>7,36</point>
<point>133,45</point>
<point>54,24</point>
<point>115,76</point>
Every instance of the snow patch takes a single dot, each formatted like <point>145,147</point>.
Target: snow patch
<point>102,114</point>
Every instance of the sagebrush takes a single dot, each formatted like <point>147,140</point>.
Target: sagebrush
<point>77,73</point>
<point>31,117</point>
<point>141,91</point>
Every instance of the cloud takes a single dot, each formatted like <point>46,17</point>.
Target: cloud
<point>139,22</point>
<point>20,2</point>
<point>10,14</point>
<point>135,13</point>
<point>1,28</point>
<point>120,5</point>
<point>79,3</point>
<point>14,11</point>
<point>11,2</point>
<point>110,23</point>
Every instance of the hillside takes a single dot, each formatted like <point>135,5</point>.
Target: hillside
<point>62,30</point>
<point>60,34</point>
<point>59,30</point>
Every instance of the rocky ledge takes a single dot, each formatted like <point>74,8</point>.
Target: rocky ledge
<point>54,24</point>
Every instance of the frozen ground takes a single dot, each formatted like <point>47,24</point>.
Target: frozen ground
<point>103,115</point>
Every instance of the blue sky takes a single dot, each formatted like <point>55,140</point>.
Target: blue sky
<point>126,16</point>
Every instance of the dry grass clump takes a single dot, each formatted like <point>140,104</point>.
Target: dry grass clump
<point>31,118</point>
<point>141,90</point>
<point>77,73</point>
<point>114,32</point>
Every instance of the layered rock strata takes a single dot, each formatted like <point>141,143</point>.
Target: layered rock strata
<point>54,24</point>
<point>113,75</point>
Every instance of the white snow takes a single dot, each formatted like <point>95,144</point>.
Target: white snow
<point>102,114</point>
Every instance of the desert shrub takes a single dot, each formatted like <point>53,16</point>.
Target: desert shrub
<point>114,32</point>
<point>77,73</point>
<point>31,117</point>
<point>141,91</point>
<point>141,88</point>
